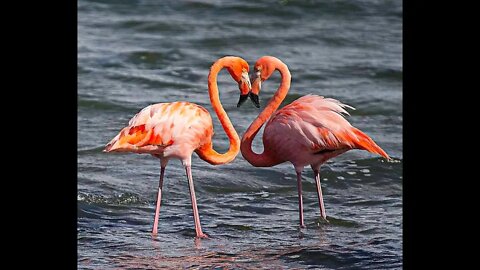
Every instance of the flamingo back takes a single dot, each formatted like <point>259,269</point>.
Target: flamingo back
<point>312,125</point>
<point>166,129</point>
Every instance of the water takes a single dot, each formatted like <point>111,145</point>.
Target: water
<point>134,53</point>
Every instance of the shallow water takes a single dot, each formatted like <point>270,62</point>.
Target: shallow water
<point>135,53</point>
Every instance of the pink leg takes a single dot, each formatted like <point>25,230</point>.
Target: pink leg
<point>300,199</point>
<point>159,200</point>
<point>196,217</point>
<point>319,193</point>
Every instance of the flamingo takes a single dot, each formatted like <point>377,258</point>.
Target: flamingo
<point>308,131</point>
<point>176,130</point>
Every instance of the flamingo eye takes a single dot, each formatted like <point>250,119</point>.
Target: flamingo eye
<point>257,70</point>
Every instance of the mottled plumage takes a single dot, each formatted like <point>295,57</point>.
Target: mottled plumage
<point>169,130</point>
<point>177,129</point>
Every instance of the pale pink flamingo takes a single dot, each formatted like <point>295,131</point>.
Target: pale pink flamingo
<point>175,130</point>
<point>308,131</point>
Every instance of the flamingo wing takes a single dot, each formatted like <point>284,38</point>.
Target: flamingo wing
<point>160,125</point>
<point>315,124</point>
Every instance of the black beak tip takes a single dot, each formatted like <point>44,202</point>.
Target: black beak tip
<point>241,100</point>
<point>254,99</point>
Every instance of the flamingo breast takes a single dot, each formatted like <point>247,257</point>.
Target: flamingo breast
<point>166,129</point>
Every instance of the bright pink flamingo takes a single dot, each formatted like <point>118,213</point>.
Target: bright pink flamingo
<point>175,130</point>
<point>308,131</point>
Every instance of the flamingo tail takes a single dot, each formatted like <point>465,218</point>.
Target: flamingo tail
<point>364,142</point>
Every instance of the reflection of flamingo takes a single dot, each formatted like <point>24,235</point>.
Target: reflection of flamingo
<point>177,129</point>
<point>308,131</point>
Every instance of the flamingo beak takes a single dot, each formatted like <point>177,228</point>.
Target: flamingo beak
<point>254,99</point>
<point>245,87</point>
<point>256,87</point>
<point>242,100</point>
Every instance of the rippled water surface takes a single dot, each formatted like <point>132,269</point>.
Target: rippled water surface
<point>135,53</point>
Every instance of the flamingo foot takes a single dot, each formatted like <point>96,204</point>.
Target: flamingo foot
<point>323,220</point>
<point>203,236</point>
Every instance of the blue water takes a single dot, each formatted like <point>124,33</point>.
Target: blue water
<point>135,53</point>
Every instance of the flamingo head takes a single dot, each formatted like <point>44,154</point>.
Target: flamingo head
<point>238,69</point>
<point>264,68</point>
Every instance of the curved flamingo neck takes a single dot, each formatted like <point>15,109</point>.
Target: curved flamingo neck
<point>206,152</point>
<point>263,159</point>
